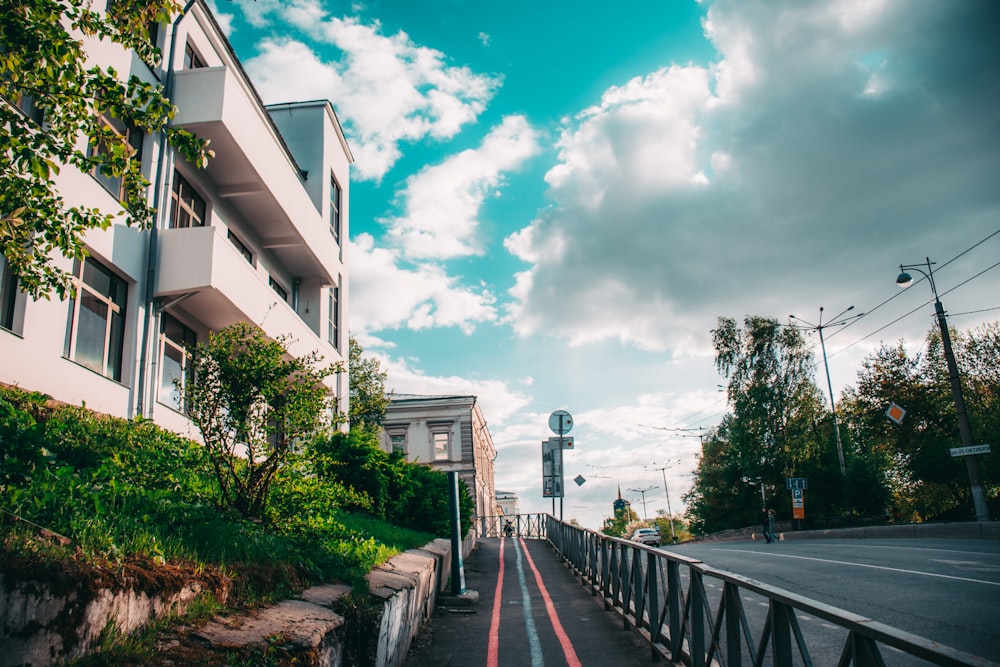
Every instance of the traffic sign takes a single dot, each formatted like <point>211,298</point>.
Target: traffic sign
<point>564,442</point>
<point>796,483</point>
<point>561,422</point>
<point>969,451</point>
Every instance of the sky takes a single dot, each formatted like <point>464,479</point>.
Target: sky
<point>552,203</point>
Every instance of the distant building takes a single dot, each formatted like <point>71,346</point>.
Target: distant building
<point>447,433</point>
<point>258,236</point>
<point>620,504</point>
<point>507,503</point>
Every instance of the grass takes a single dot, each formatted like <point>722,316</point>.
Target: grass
<point>83,490</point>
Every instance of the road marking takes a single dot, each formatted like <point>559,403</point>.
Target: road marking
<point>493,645</point>
<point>873,567</point>
<point>567,646</point>
<point>529,621</point>
<point>887,546</point>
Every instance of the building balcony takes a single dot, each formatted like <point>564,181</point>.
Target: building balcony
<point>202,275</point>
<point>253,170</point>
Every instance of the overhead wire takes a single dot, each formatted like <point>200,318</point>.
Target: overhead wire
<point>865,314</point>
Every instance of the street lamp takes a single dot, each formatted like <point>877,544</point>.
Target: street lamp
<point>833,408</point>
<point>971,461</point>
<point>643,492</point>
<point>756,482</point>
<point>670,513</point>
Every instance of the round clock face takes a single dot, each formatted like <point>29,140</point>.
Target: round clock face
<point>561,422</point>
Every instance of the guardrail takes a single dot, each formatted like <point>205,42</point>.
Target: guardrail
<point>531,526</point>
<point>646,587</point>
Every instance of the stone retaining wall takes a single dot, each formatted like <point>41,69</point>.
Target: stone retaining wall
<point>45,623</point>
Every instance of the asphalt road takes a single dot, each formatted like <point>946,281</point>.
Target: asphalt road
<point>946,590</point>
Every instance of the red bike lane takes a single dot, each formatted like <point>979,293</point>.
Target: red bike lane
<point>532,611</point>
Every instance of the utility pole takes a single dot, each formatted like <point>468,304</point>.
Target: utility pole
<point>670,513</point>
<point>837,322</point>
<point>643,493</point>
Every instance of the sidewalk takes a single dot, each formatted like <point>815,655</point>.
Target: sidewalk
<point>573,630</point>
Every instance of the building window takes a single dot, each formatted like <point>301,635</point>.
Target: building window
<point>29,107</point>
<point>440,439</point>
<point>278,289</point>
<point>8,296</point>
<point>239,245</point>
<point>191,58</point>
<point>333,319</point>
<point>95,333</point>
<point>187,208</point>
<point>114,131</point>
<point>335,212</point>
<point>176,371</point>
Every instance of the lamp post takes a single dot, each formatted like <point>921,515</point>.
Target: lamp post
<point>756,482</point>
<point>643,493</point>
<point>670,512</point>
<point>822,343</point>
<point>965,430</point>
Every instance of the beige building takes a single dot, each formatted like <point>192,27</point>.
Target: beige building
<point>258,236</point>
<point>507,503</point>
<point>448,433</point>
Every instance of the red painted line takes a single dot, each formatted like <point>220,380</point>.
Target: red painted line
<point>567,645</point>
<point>493,647</point>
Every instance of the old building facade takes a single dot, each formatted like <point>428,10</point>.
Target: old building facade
<point>448,433</point>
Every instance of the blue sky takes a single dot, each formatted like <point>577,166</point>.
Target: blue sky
<point>552,204</point>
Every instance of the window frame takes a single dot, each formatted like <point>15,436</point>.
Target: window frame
<point>188,340</point>
<point>113,352</point>
<point>333,317</point>
<point>133,139</point>
<point>9,297</point>
<point>186,200</point>
<point>437,430</point>
<point>336,204</point>
<point>278,288</point>
<point>240,246</point>
<point>192,59</point>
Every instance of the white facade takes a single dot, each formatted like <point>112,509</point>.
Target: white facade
<point>507,503</point>
<point>448,433</point>
<point>258,236</point>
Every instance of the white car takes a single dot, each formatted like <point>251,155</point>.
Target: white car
<point>649,536</point>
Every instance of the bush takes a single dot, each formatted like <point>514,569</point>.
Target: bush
<point>125,489</point>
<point>389,487</point>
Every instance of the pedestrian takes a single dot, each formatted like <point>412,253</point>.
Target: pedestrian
<point>771,519</point>
<point>764,526</point>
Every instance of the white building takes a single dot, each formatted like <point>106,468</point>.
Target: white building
<point>258,236</point>
<point>448,433</point>
<point>507,503</point>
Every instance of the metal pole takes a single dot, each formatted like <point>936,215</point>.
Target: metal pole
<point>833,407</point>
<point>457,571</point>
<point>964,428</point>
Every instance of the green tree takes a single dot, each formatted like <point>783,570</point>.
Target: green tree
<point>253,404</point>
<point>913,457</point>
<point>52,96</point>
<point>775,403</point>
<point>368,400</point>
<point>622,520</point>
<point>386,485</point>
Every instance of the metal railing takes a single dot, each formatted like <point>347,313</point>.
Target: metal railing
<point>665,598</point>
<point>524,525</point>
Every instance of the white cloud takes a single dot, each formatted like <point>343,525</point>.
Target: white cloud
<point>386,295</point>
<point>828,142</point>
<point>442,202</point>
<point>388,91</point>
<point>498,401</point>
